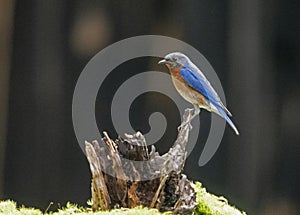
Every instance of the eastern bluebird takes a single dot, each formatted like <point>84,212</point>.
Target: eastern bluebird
<point>193,86</point>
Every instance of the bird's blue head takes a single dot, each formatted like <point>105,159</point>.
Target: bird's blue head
<point>175,60</point>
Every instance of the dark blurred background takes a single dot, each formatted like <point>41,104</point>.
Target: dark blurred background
<point>253,45</point>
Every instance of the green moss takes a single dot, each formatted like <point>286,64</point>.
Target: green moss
<point>207,204</point>
<point>10,208</point>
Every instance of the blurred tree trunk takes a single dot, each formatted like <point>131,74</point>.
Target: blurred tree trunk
<point>36,116</point>
<point>6,17</point>
<point>252,98</point>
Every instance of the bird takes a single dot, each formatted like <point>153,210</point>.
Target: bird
<point>194,87</point>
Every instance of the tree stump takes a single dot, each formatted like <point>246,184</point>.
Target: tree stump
<point>120,170</point>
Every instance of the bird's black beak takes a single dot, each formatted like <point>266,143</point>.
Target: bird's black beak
<point>163,61</point>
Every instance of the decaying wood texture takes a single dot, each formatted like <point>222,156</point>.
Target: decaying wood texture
<point>151,180</point>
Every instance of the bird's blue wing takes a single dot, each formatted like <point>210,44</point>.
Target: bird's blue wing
<point>198,82</point>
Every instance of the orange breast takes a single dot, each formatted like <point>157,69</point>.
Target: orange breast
<point>187,92</point>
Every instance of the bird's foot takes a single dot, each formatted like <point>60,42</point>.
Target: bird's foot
<point>196,110</point>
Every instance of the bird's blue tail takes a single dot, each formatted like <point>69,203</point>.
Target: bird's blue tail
<point>226,117</point>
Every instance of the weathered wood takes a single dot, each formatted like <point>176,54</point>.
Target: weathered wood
<point>100,194</point>
<point>167,190</point>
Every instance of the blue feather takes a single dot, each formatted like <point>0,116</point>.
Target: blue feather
<point>198,82</point>
<point>226,117</point>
